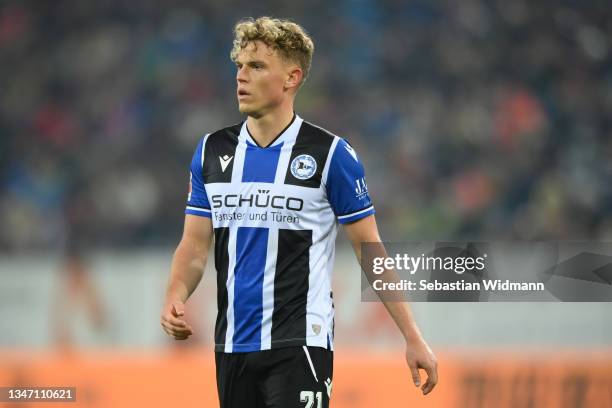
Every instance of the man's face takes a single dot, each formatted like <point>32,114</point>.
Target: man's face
<point>261,79</point>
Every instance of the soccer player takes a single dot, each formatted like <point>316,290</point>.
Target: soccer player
<point>270,192</point>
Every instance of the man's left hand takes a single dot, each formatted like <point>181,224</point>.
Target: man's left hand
<point>420,356</point>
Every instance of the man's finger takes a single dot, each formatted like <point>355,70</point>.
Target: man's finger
<point>180,332</point>
<point>174,321</point>
<point>432,379</point>
<point>178,309</point>
<point>166,330</point>
<point>416,377</point>
<point>173,330</point>
<point>182,337</point>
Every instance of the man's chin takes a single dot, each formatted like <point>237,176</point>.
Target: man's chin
<point>243,108</point>
<point>246,110</point>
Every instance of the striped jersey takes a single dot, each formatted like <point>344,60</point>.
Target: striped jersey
<point>275,212</point>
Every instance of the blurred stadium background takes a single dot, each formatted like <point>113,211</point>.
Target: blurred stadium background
<point>475,120</point>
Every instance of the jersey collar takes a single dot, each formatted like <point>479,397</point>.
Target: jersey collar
<point>286,135</point>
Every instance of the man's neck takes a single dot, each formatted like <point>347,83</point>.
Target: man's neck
<point>266,128</point>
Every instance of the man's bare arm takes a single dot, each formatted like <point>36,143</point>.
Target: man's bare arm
<point>418,353</point>
<point>186,272</point>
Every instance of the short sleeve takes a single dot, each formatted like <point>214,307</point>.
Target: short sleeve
<point>197,200</point>
<point>346,186</point>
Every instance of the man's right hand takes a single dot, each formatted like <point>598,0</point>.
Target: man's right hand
<point>172,321</point>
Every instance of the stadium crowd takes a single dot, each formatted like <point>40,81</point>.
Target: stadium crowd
<point>475,119</point>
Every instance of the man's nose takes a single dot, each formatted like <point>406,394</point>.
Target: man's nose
<point>241,75</point>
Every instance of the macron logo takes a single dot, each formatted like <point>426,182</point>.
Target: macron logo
<point>225,161</point>
<point>328,385</point>
<point>351,151</point>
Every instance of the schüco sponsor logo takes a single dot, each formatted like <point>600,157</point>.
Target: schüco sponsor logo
<point>261,199</point>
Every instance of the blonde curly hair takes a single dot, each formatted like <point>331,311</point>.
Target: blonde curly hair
<point>286,37</point>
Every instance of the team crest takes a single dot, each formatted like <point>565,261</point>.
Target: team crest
<point>303,167</point>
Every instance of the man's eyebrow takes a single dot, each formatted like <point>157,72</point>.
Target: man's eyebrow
<point>250,62</point>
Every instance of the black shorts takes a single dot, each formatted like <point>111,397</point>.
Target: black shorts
<point>278,378</point>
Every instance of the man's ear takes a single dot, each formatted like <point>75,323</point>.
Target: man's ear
<point>294,78</point>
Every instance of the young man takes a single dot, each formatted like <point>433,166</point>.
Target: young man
<point>271,191</point>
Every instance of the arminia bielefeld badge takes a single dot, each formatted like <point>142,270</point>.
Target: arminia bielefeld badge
<point>303,167</point>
